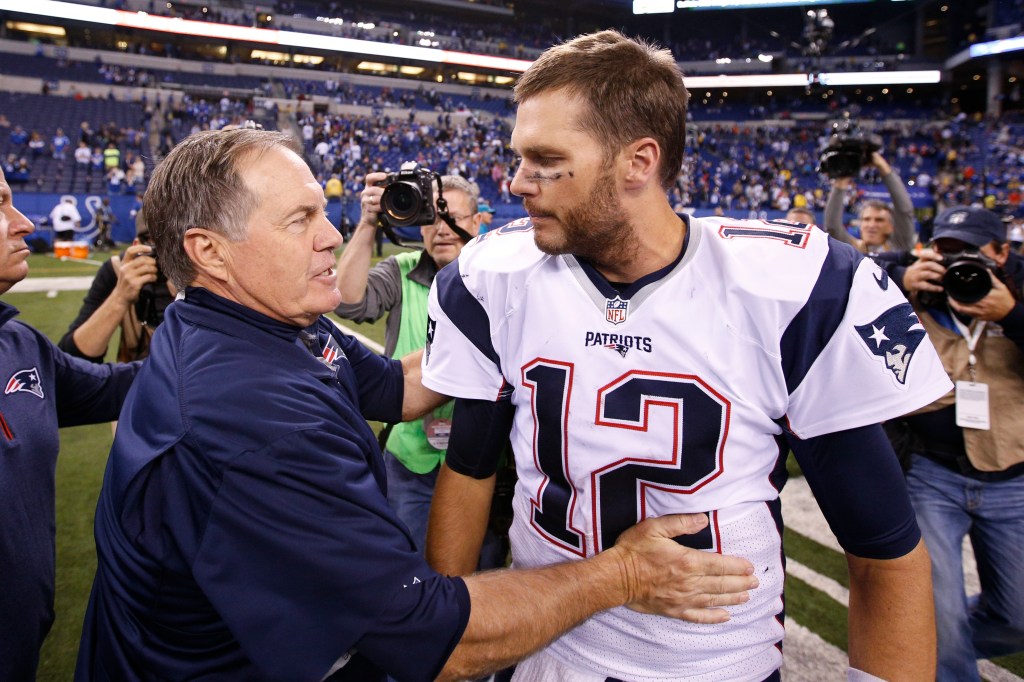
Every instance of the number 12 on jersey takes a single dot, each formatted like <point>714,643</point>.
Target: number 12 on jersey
<point>700,423</point>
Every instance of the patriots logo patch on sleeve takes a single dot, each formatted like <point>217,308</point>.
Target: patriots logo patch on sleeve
<point>26,380</point>
<point>431,328</point>
<point>894,336</point>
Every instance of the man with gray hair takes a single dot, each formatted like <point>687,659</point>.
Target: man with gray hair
<point>882,227</point>
<point>398,286</point>
<point>242,530</point>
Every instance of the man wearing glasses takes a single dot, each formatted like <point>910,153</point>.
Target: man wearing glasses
<point>399,285</point>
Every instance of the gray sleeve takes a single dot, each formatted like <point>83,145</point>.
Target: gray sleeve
<point>834,217</point>
<point>383,292</point>
<point>904,236</point>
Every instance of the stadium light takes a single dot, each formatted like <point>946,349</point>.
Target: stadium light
<point>55,9</point>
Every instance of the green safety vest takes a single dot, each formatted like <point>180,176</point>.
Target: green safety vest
<point>408,441</point>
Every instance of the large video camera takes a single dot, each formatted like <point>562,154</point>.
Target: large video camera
<point>848,149</point>
<point>408,197</point>
<point>966,279</point>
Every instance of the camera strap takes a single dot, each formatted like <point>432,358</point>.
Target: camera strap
<point>972,334</point>
<point>972,403</point>
<point>442,210</point>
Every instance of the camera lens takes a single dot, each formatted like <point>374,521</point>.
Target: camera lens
<point>401,203</point>
<point>967,281</point>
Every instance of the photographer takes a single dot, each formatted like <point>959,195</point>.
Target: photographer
<point>399,286</point>
<point>129,292</point>
<point>882,227</point>
<point>966,471</point>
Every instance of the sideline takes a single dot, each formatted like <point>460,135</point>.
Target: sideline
<point>36,284</point>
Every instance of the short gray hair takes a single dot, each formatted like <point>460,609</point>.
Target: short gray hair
<point>460,183</point>
<point>878,205</point>
<point>198,185</point>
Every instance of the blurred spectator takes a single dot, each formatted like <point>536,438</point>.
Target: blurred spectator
<point>136,175</point>
<point>18,138</point>
<point>333,189</point>
<point>115,180</point>
<point>59,145</point>
<point>111,156</point>
<point>36,144</point>
<point>97,159</point>
<point>83,155</point>
<point>65,218</point>
<point>105,219</point>
<point>486,214</point>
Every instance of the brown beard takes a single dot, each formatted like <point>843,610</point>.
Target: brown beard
<point>596,228</point>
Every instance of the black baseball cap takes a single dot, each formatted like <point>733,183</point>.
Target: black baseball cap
<point>969,224</point>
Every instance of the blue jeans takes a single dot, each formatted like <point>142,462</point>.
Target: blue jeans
<point>950,506</point>
<point>409,494</point>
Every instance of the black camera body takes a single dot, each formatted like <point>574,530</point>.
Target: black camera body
<point>154,297</point>
<point>967,276</point>
<point>408,197</point>
<point>966,280</point>
<point>847,151</point>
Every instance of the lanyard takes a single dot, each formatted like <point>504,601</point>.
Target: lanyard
<point>971,335</point>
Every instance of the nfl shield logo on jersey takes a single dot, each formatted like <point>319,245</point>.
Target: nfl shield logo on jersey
<point>615,310</point>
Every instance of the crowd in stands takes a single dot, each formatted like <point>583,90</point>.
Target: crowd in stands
<point>60,144</point>
<point>53,70</point>
<point>352,146</point>
<point>732,166</point>
<point>422,97</point>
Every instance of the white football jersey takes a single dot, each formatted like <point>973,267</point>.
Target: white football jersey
<point>670,396</point>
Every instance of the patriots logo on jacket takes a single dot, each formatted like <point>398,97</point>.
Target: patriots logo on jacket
<point>26,380</point>
<point>894,336</point>
<point>332,351</point>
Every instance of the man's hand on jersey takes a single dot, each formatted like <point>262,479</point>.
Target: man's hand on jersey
<point>369,202</point>
<point>138,268</point>
<point>669,579</point>
<point>996,305</point>
<point>925,274</point>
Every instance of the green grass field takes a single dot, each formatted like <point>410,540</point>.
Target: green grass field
<point>80,473</point>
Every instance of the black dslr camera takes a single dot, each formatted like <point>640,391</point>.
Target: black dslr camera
<point>848,149</point>
<point>408,197</point>
<point>966,279</point>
